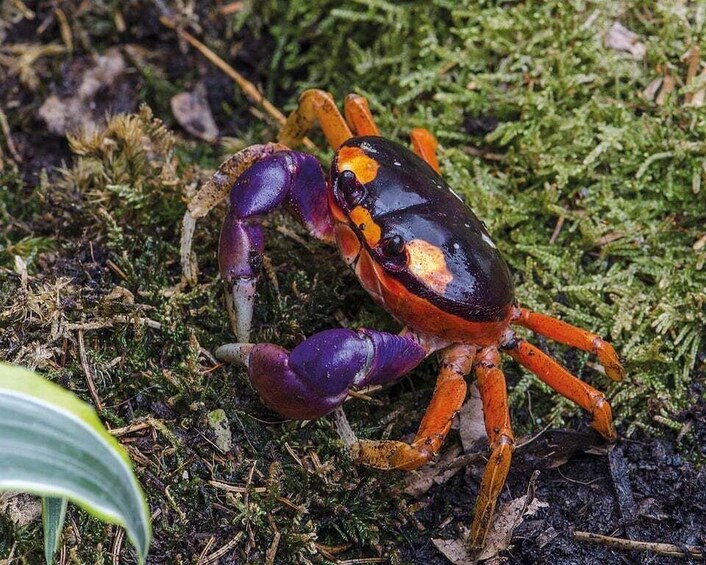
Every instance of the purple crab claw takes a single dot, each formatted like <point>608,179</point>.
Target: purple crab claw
<point>316,376</point>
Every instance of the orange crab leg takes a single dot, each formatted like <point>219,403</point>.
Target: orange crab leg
<point>496,412</point>
<point>563,382</point>
<point>424,144</point>
<point>358,115</point>
<point>314,105</point>
<point>573,336</point>
<point>449,394</point>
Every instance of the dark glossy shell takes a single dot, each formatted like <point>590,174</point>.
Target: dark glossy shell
<point>407,198</point>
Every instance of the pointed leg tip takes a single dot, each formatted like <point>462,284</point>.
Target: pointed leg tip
<point>615,373</point>
<point>606,430</point>
<point>609,359</point>
<point>475,540</point>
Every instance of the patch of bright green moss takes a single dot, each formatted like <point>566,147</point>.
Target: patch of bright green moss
<point>580,145</point>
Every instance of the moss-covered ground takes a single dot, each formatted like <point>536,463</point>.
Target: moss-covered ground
<point>586,162</point>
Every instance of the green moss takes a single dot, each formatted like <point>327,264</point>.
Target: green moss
<point>579,145</point>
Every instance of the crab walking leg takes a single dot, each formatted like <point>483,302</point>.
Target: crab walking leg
<point>315,104</point>
<point>358,115</point>
<point>563,382</point>
<point>496,412</point>
<point>293,179</point>
<point>213,193</point>
<point>573,336</point>
<point>450,391</point>
<point>316,376</point>
<point>424,144</point>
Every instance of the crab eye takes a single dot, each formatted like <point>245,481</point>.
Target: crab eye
<point>351,190</point>
<point>392,246</point>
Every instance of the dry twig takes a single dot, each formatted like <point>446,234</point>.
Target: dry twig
<point>206,549</point>
<point>692,69</point>
<point>130,428</point>
<point>224,550</point>
<point>667,549</point>
<point>248,88</point>
<point>88,372</point>
<point>271,554</point>
<point>5,128</point>
<point>232,8</point>
<point>117,546</point>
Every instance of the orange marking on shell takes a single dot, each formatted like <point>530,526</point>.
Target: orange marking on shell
<point>354,159</point>
<point>370,230</point>
<point>428,264</point>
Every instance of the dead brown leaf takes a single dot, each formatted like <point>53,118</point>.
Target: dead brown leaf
<point>471,423</point>
<point>192,112</point>
<point>507,518</point>
<point>96,95</point>
<point>434,474</point>
<point>621,38</point>
<point>21,509</point>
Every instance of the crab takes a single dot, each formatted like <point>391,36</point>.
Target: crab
<point>421,253</point>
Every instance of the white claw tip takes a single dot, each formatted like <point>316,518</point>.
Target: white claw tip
<point>235,353</point>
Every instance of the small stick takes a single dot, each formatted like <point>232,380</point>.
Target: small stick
<point>667,549</point>
<point>345,432</point>
<point>248,88</point>
<point>5,127</point>
<point>489,155</point>
<point>232,8</point>
<point>557,229</point>
<point>100,323</point>
<point>691,71</point>
<point>240,489</point>
<point>271,554</point>
<point>700,243</point>
<point>206,549</point>
<point>667,87</point>
<point>216,555</point>
<point>117,546</point>
<point>117,270</point>
<point>130,428</point>
<point>88,372</point>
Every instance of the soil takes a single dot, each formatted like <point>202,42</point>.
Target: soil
<point>669,496</point>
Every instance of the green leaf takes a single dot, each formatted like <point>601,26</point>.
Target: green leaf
<point>52,444</point>
<point>53,513</point>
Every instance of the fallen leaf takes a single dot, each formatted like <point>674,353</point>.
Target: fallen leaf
<point>101,89</point>
<point>433,474</point>
<point>651,90</point>
<point>471,423</point>
<point>120,293</point>
<point>507,517</point>
<point>455,550</point>
<point>554,448</point>
<point>20,508</point>
<point>218,422</point>
<point>621,38</point>
<point>192,112</point>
